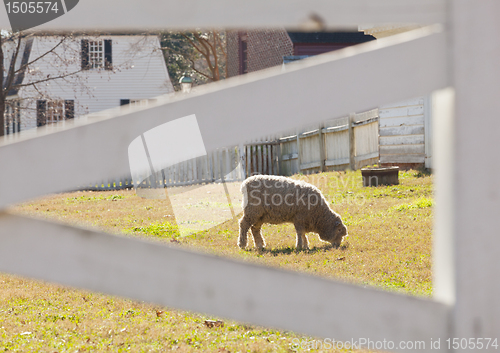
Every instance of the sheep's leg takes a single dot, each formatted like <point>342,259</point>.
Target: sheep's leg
<point>244,226</point>
<point>258,240</point>
<point>302,242</point>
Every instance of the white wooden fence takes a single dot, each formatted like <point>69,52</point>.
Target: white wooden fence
<point>459,58</point>
<point>261,158</point>
<point>325,148</point>
<point>328,147</point>
<point>223,162</point>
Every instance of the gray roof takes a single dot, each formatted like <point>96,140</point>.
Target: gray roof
<point>330,37</point>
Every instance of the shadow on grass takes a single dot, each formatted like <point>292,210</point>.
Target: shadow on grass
<point>292,250</point>
<point>422,172</point>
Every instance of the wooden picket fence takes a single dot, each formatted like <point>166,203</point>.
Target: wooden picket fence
<point>222,163</point>
<point>338,144</point>
<point>350,142</point>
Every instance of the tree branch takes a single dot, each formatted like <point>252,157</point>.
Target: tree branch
<point>192,43</point>
<point>47,79</point>
<point>223,51</point>
<point>198,71</point>
<point>40,57</point>
<point>36,88</point>
<point>206,54</point>
<point>206,44</point>
<point>221,46</point>
<point>216,58</point>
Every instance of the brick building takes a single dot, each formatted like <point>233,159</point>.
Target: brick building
<point>254,50</point>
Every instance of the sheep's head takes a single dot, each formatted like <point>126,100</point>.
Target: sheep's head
<point>335,233</point>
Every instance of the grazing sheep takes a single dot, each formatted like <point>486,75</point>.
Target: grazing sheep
<point>276,199</point>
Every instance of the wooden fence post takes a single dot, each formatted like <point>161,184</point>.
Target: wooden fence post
<point>249,160</point>
<point>321,149</point>
<point>298,152</point>
<point>352,143</point>
<point>242,160</point>
<point>280,159</point>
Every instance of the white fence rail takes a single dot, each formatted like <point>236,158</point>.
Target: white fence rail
<point>332,14</point>
<point>178,278</point>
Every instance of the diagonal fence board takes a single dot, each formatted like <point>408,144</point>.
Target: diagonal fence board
<point>204,283</point>
<point>115,15</point>
<point>233,111</point>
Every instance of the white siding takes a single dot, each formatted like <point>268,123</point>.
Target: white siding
<point>139,72</point>
<point>402,135</point>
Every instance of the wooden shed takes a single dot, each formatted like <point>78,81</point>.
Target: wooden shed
<point>406,133</point>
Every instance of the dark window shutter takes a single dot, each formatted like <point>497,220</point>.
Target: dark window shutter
<point>18,115</point>
<point>6,116</point>
<point>85,55</point>
<point>41,109</point>
<point>69,109</point>
<point>124,101</point>
<point>108,57</point>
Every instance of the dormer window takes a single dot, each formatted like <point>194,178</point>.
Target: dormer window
<point>97,54</point>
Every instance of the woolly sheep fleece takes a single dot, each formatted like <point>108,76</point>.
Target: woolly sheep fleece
<point>277,199</point>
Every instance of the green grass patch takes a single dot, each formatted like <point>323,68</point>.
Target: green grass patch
<point>86,198</point>
<point>389,247</point>
<point>420,203</point>
<point>157,230</point>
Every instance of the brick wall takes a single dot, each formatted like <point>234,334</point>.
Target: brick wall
<point>232,53</point>
<point>266,48</point>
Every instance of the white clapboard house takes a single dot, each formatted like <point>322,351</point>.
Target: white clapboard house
<point>96,73</point>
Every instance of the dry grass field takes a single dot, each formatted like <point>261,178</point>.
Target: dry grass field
<point>389,247</point>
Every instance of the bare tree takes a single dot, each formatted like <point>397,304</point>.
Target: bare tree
<point>31,68</point>
<point>201,53</point>
<point>18,69</point>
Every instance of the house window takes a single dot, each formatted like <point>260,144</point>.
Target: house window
<point>97,54</point>
<point>137,102</point>
<point>141,102</point>
<point>12,120</point>
<point>54,111</point>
